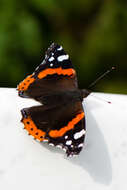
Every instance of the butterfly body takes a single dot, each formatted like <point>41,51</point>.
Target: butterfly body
<point>60,120</point>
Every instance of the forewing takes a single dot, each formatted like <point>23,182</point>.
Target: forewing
<point>54,74</point>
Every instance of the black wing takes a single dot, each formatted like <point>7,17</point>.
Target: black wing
<point>62,126</point>
<point>54,75</point>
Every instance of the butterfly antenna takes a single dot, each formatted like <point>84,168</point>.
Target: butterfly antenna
<point>93,84</point>
<point>102,76</point>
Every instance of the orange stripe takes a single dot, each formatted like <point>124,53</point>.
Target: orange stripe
<point>28,80</point>
<point>33,130</point>
<point>71,124</point>
<point>25,83</point>
<point>59,71</point>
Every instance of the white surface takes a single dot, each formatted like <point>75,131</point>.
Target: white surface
<point>28,164</point>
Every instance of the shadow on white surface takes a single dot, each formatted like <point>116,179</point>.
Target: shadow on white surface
<point>101,164</point>
<point>94,158</point>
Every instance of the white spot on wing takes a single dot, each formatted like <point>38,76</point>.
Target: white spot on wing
<point>59,146</point>
<point>37,68</point>
<point>66,137</point>
<point>64,149</point>
<point>68,142</point>
<point>80,145</point>
<point>74,155</point>
<point>45,140</point>
<point>51,64</point>
<point>62,58</point>
<point>60,48</point>
<point>79,134</point>
<point>51,144</point>
<point>51,59</point>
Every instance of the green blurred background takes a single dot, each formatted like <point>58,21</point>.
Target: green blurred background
<point>94,33</point>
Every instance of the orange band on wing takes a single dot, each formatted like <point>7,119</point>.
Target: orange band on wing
<point>58,71</point>
<point>71,124</point>
<point>32,129</point>
<point>25,83</point>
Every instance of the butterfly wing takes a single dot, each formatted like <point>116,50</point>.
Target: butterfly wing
<point>62,126</point>
<point>54,74</point>
<point>60,120</point>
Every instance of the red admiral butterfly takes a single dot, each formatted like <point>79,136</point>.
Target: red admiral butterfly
<point>60,120</point>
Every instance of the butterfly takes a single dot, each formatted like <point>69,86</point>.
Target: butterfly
<point>60,119</point>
